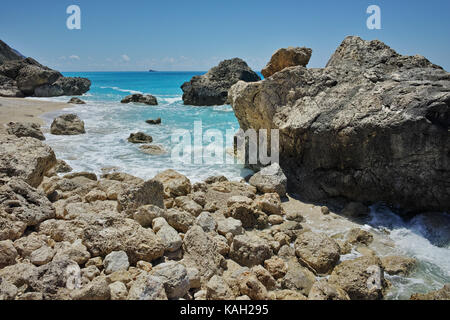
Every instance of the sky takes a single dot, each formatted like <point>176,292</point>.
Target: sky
<point>138,35</point>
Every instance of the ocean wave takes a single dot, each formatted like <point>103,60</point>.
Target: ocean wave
<point>123,90</point>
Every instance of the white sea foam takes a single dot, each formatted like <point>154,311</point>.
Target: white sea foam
<point>123,90</point>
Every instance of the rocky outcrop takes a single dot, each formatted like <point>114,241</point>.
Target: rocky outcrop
<point>8,54</point>
<point>25,158</point>
<point>68,125</point>
<point>285,58</point>
<point>27,77</point>
<point>140,98</point>
<point>371,126</point>
<point>212,88</point>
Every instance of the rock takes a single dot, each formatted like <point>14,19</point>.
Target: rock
<point>31,296</point>
<point>84,174</point>
<point>275,220</point>
<point>270,179</point>
<point>147,287</point>
<point>25,158</point>
<point>269,203</point>
<point>362,278</point>
<point>175,184</point>
<point>122,177</point>
<point>19,274</point>
<point>66,86</point>
<point>325,210</point>
<point>74,251</point>
<point>289,295</point>
<point>8,88</point>
<point>60,167</point>
<point>118,291</point>
<point>250,250</point>
<point>8,54</point>
<point>170,238</point>
<point>97,289</point>
<point>90,272</point>
<point>23,206</point>
<point>153,150</point>
<point>174,277</point>
<point>264,277</point>
<point>116,261</point>
<point>285,58</point>
<point>109,233</point>
<point>250,285</point>
<point>245,212</point>
<point>276,267</point>
<point>140,98</point>
<point>206,221</point>
<point>31,75</point>
<point>188,205</point>
<point>179,220</point>
<point>401,108</point>
<point>218,289</point>
<point>42,256</point>
<point>56,278</point>
<point>317,251</point>
<point>25,129</point>
<point>212,88</point>
<point>321,290</point>
<point>150,192</point>
<point>442,294</point>
<point>146,214</point>
<point>230,225</point>
<point>8,291</point>
<point>158,223</point>
<point>355,210</point>
<point>67,125</point>
<point>359,236</point>
<point>154,121</point>
<point>222,245</point>
<point>398,265</point>
<point>140,137</point>
<point>8,253</point>
<point>298,278</point>
<point>75,100</point>
<point>201,252</point>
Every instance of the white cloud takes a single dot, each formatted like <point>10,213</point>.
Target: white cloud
<point>125,58</point>
<point>74,57</point>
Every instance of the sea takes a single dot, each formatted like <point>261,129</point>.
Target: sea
<point>104,147</point>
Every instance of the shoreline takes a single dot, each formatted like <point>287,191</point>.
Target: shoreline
<point>26,110</point>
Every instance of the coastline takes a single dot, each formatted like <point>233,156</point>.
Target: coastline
<point>26,110</point>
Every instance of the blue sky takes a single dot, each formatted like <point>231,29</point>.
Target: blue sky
<point>196,35</point>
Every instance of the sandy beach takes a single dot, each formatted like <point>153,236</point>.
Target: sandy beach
<point>25,110</point>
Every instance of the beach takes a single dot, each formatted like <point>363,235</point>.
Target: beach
<point>26,110</point>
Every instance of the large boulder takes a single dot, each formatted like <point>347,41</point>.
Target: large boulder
<point>65,86</point>
<point>7,53</point>
<point>285,58</point>
<point>140,98</point>
<point>212,88</point>
<point>150,192</point>
<point>358,128</point>
<point>250,250</point>
<point>68,125</point>
<point>25,158</point>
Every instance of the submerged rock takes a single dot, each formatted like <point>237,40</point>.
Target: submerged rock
<point>155,121</point>
<point>153,150</point>
<point>140,137</point>
<point>358,127</point>
<point>67,125</point>
<point>212,88</point>
<point>140,98</point>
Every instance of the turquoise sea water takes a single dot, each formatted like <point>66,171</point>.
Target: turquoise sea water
<point>109,123</point>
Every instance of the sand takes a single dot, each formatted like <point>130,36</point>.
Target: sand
<point>26,110</point>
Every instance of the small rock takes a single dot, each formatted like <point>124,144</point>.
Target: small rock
<point>218,289</point>
<point>325,210</point>
<point>156,121</point>
<point>118,291</point>
<point>175,279</point>
<point>230,225</point>
<point>274,219</point>
<point>269,203</point>
<point>42,256</point>
<point>153,150</point>
<point>26,129</point>
<point>140,98</point>
<point>270,179</point>
<point>170,238</point>
<point>322,290</point>
<point>398,265</point>
<point>146,214</point>
<point>250,285</point>
<point>76,100</point>
<point>140,137</point>
<point>206,221</point>
<point>98,289</point>
<point>8,253</point>
<point>285,58</point>
<point>115,261</point>
<point>276,266</point>
<point>147,287</point>
<point>359,236</point>
<point>175,184</point>
<point>250,250</point>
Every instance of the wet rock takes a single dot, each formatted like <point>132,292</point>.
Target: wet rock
<point>442,294</point>
<point>355,210</point>
<point>25,158</point>
<point>67,125</point>
<point>153,150</point>
<point>25,129</point>
<point>359,236</point>
<point>318,251</point>
<point>212,88</point>
<point>154,121</point>
<point>140,98</point>
<point>398,265</point>
<point>140,137</point>
<point>75,100</point>
<point>285,58</point>
<point>270,179</point>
